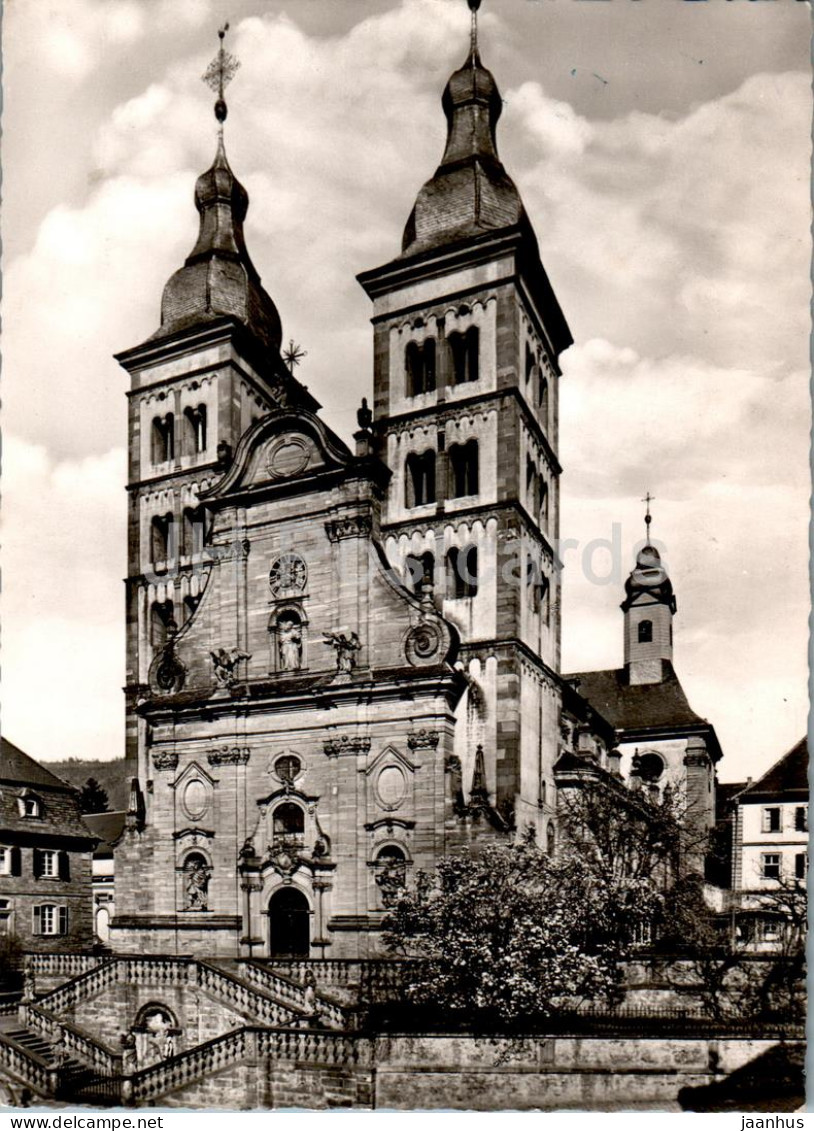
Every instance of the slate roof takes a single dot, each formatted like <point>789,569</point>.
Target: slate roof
<point>61,817</point>
<point>15,766</point>
<point>788,775</point>
<point>107,827</point>
<point>635,706</point>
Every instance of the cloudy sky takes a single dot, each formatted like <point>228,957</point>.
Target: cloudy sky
<point>661,148</point>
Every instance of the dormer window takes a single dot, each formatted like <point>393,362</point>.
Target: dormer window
<point>419,362</point>
<point>29,804</point>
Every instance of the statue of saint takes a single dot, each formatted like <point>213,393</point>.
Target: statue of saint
<point>290,644</point>
<point>197,883</point>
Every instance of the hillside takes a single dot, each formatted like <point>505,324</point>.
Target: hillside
<point>110,776</point>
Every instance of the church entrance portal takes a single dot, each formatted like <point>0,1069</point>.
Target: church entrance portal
<point>289,924</point>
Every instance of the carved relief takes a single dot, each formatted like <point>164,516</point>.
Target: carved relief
<point>229,756</point>
<point>423,739</point>
<point>352,526</point>
<point>165,759</point>
<point>346,744</point>
<point>423,644</point>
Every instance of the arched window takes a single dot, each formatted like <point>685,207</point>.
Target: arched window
<point>463,469</point>
<point>542,396</point>
<point>419,364</point>
<point>529,362</point>
<point>545,599</point>
<point>163,438</point>
<point>194,530</point>
<point>190,605</point>
<point>196,429</point>
<point>419,570</point>
<point>162,538</point>
<point>465,351</point>
<point>420,479</point>
<point>543,508</point>
<point>288,822</point>
<point>462,572</point>
<point>550,839</point>
<point>161,617</point>
<point>645,631</point>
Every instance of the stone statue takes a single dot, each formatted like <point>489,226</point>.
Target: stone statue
<point>169,1045</point>
<point>225,663</point>
<point>129,1061</point>
<point>310,996</point>
<point>197,884</point>
<point>347,644</point>
<point>29,987</point>
<point>290,644</point>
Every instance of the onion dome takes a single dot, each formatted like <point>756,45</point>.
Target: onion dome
<point>470,193</point>
<point>649,577</point>
<point>218,278</point>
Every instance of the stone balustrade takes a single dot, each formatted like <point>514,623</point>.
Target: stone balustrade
<point>201,1061</point>
<point>58,965</point>
<point>73,1041</point>
<point>241,996</point>
<point>27,1066</point>
<point>293,994</point>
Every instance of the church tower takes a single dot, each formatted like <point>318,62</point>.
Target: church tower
<point>649,607</point>
<point>467,338</point>
<point>211,369</point>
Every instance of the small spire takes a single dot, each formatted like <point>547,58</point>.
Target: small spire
<point>648,518</point>
<point>218,75</point>
<point>473,44</point>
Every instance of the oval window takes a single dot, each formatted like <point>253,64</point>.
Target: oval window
<point>195,799</point>
<point>391,787</point>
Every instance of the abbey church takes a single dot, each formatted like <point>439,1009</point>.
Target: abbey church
<point>343,664</point>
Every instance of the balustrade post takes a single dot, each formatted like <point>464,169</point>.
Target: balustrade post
<point>127,1091</point>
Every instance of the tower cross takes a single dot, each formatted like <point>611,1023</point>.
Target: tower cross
<point>220,73</point>
<point>648,518</point>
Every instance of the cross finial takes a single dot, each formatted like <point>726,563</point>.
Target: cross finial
<point>473,38</point>
<point>648,518</point>
<point>293,356</point>
<point>220,73</point>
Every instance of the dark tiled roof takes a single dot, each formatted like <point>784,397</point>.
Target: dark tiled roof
<point>61,816</point>
<point>639,706</point>
<point>107,826</point>
<point>15,766</point>
<point>787,774</point>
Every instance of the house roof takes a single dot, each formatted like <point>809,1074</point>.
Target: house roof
<point>107,827</point>
<point>60,818</point>
<point>642,708</point>
<point>788,774</point>
<point>20,768</point>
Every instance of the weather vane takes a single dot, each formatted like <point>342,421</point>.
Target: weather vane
<point>293,356</point>
<point>220,73</point>
<point>648,518</point>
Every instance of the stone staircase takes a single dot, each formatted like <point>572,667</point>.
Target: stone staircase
<point>32,1057</point>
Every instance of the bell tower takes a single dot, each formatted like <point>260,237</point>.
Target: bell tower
<point>649,607</point>
<point>467,338</point>
<point>211,369</point>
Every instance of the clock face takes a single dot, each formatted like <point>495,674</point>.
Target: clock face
<point>287,573</point>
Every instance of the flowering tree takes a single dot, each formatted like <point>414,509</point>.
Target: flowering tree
<point>513,935</point>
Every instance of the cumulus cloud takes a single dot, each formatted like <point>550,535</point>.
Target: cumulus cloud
<point>63,601</point>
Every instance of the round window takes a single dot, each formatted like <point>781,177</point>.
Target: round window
<point>391,787</point>
<point>195,798</point>
<point>651,767</point>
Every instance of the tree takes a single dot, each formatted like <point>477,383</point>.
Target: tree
<point>92,798</point>
<point>513,935</point>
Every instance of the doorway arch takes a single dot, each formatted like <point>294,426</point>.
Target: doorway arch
<point>289,924</point>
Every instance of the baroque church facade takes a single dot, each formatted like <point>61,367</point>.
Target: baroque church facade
<point>343,664</point>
